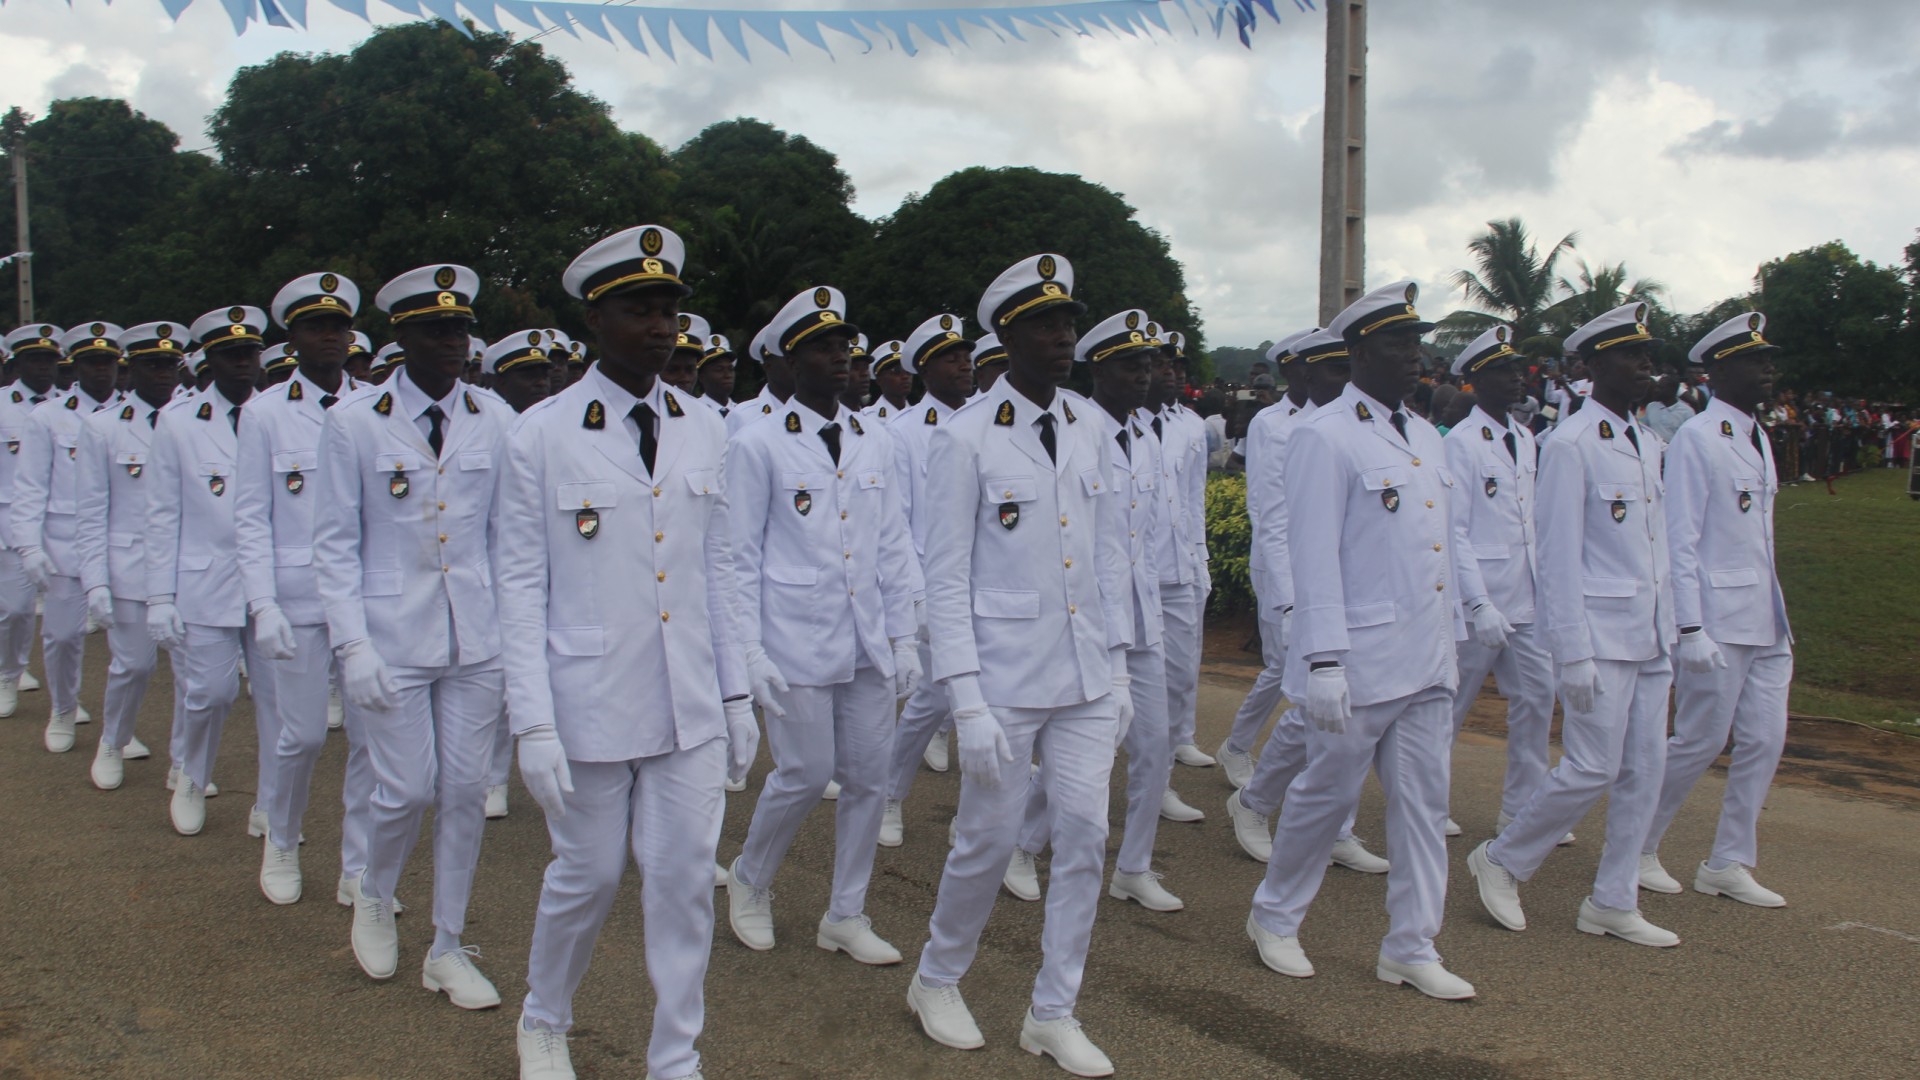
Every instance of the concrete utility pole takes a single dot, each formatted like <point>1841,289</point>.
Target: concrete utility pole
<point>22,242</point>
<point>1343,166</point>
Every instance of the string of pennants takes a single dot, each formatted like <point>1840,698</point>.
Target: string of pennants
<point>654,28</point>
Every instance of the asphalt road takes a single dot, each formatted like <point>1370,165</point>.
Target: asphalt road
<point>128,951</point>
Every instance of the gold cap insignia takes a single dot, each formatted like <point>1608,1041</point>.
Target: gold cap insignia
<point>446,299</point>
<point>1046,268</point>
<point>533,337</point>
<point>1754,321</point>
<point>1499,333</point>
<point>822,298</point>
<point>686,322</point>
<point>444,277</point>
<point>946,322</point>
<point>651,241</point>
<point>328,283</point>
<point>97,329</point>
<point>1133,323</point>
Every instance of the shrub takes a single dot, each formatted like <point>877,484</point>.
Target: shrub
<point>1229,539</point>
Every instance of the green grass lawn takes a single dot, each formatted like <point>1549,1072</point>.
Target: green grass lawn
<point>1847,564</point>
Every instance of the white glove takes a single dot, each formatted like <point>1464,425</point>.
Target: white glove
<point>272,632</point>
<point>1122,695</point>
<point>1490,628</point>
<point>163,622</point>
<point>743,738</point>
<point>983,744</point>
<point>765,680</point>
<point>1579,685</point>
<point>1329,706</point>
<point>365,680</point>
<point>1699,654</point>
<point>543,767</point>
<point>38,568</point>
<point>1286,626</point>
<point>99,608</point>
<point>906,666</point>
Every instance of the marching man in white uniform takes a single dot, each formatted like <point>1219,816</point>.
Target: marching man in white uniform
<point>626,686</point>
<point>115,450</point>
<point>403,550</point>
<point>778,388</point>
<point>1736,650</point>
<point>814,509</point>
<point>1371,653</point>
<point>1028,615</point>
<point>1608,598</point>
<point>195,605</point>
<point>278,487</point>
<point>35,352</point>
<point>46,494</point>
<point>1493,460</point>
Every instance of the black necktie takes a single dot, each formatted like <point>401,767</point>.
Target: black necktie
<point>642,415</point>
<point>1634,438</point>
<point>830,434</point>
<point>38,398</point>
<point>434,435</point>
<point>1512,447</point>
<point>1399,423</point>
<point>1757,448</point>
<point>233,417</point>
<point>1046,437</point>
<point>327,400</point>
<point>1126,445</point>
<point>1156,427</point>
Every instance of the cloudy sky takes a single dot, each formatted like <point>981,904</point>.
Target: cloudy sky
<point>1692,140</point>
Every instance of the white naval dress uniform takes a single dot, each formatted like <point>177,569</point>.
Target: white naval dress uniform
<point>1027,590</point>
<point>1180,560</point>
<point>193,557</point>
<point>760,405</point>
<point>1607,591</point>
<point>618,586</point>
<point>1267,564</point>
<point>16,592</point>
<point>402,545</point>
<point>884,412</point>
<point>1493,526</point>
<point>1369,540</point>
<point>806,532</point>
<point>927,710</point>
<point>277,487</point>
<point>115,454</point>
<point>46,499</point>
<point>1138,476</point>
<point>1720,493</point>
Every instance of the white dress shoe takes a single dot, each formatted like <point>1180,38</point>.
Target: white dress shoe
<point>81,715</point>
<point>496,801</point>
<point>59,737</point>
<point>1144,889</point>
<point>212,790</point>
<point>937,756</point>
<point>1064,1042</point>
<point>719,876</point>
<point>944,1015</point>
<point>1430,979</point>
<point>1499,891</point>
<point>1654,877</point>
<point>1507,819</point>
<point>749,911</point>
<point>1250,830</point>
<point>1351,852</point>
<point>832,794</point>
<point>543,1053</point>
<point>737,786</point>
<point>1023,875</point>
<point>1282,954</point>
<point>135,750</point>
<point>280,874</point>
<point>28,683</point>
<point>1625,925</point>
<point>1238,764</point>
<point>336,712</point>
<point>9,697</point>
<point>188,808</point>
<point>108,770</point>
<point>856,938</point>
<point>1192,756</point>
<point>376,941</point>
<point>1172,808</point>
<point>893,829</point>
<point>1736,881</point>
<point>1452,828</point>
<point>257,821</point>
<point>453,973</point>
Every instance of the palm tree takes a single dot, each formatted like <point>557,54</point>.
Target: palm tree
<point>1595,291</point>
<point>1512,283</point>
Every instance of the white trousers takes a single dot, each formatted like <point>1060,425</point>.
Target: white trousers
<point>133,657</point>
<point>1149,764</point>
<point>1266,694</point>
<point>667,811</point>
<point>502,767</point>
<point>1748,698</point>
<point>1279,764</point>
<point>927,713</point>
<point>1076,741</point>
<point>1618,750</point>
<point>846,731</point>
<point>300,694</point>
<point>1181,609</point>
<point>206,668</point>
<point>1407,742</point>
<point>63,641</point>
<point>16,616</point>
<point>1524,673</point>
<point>432,750</point>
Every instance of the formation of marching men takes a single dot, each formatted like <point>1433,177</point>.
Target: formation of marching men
<point>462,551</point>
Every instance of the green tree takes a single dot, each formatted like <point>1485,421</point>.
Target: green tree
<point>1838,321</point>
<point>1233,363</point>
<point>1511,283</point>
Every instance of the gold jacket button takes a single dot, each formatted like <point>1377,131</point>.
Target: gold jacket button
<point>846,554</point>
<point>1069,564</point>
<point>1008,495</point>
<point>660,575</point>
<point>656,493</point>
<point>843,515</point>
<point>841,475</point>
<point>1440,586</point>
<point>1429,504</point>
<point>664,616</point>
<point>443,538</point>
<point>1416,463</point>
<point>1072,610</point>
<point>1063,522</point>
<point>443,506</point>
<point>446,569</point>
<point>657,537</point>
<point>1436,547</point>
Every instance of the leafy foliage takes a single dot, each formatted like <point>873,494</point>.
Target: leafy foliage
<point>1837,320</point>
<point>1229,543</point>
<point>1511,283</point>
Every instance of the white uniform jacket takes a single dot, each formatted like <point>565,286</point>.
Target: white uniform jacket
<point>1371,546</point>
<point>760,405</point>
<point>1604,575</point>
<point>1140,477</point>
<point>1173,552</point>
<point>1720,493</point>
<point>912,434</point>
<point>1267,564</point>
<point>116,448</point>
<point>883,412</point>
<point>46,481</point>
<point>402,542</point>
<point>277,487</point>
<point>616,586</point>
<point>191,553</point>
<point>1026,558</point>
<point>16,409</point>
<point>826,570</point>
<point>1493,514</point>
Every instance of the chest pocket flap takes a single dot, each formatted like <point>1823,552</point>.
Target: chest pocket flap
<point>1747,483</point>
<point>1090,480</point>
<point>292,461</point>
<point>1392,476</point>
<point>478,459</point>
<point>1009,489</point>
<point>403,461</point>
<point>701,481</point>
<point>586,495</point>
<point>130,457</point>
<point>1626,491</point>
<point>873,478</point>
<point>805,481</point>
